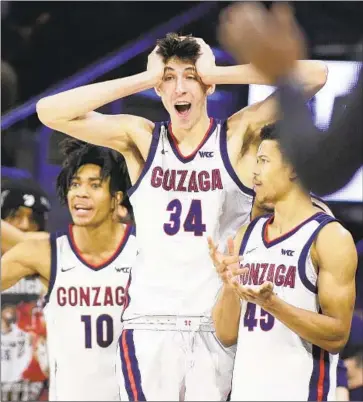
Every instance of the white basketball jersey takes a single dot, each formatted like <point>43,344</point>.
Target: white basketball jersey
<point>272,362</point>
<point>83,311</point>
<point>16,354</point>
<point>178,201</point>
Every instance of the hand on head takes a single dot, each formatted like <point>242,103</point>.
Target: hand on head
<point>204,64</point>
<point>155,65</point>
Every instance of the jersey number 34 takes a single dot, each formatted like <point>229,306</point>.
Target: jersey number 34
<point>193,221</point>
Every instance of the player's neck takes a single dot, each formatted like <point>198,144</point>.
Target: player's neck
<point>98,239</point>
<point>289,212</point>
<point>191,137</point>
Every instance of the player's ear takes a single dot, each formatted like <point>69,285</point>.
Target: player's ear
<point>117,199</point>
<point>157,90</point>
<point>120,212</point>
<point>211,89</point>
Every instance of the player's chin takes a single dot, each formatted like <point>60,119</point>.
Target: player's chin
<point>82,221</point>
<point>263,200</point>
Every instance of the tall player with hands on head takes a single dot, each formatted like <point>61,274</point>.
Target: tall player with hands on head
<point>196,172</point>
<point>289,290</point>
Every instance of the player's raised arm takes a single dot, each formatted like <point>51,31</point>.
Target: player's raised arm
<point>73,112</point>
<point>227,309</point>
<point>11,236</point>
<point>26,258</point>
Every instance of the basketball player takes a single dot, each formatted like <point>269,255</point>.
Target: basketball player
<point>24,209</point>
<point>196,173</point>
<point>86,270</point>
<point>297,287</point>
<point>16,354</point>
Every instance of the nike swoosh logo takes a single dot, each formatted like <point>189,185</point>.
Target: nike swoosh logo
<point>250,251</point>
<point>68,269</point>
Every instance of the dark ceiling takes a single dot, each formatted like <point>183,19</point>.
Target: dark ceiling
<point>48,41</point>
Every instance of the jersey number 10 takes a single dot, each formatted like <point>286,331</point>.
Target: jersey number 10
<point>104,330</point>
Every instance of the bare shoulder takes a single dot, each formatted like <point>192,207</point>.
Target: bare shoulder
<point>335,246</point>
<point>137,122</point>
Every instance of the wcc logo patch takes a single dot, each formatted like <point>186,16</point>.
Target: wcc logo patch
<point>289,253</point>
<point>206,154</point>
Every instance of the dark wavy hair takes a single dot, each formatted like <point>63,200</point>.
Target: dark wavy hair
<point>185,48</point>
<point>78,153</point>
<point>269,132</point>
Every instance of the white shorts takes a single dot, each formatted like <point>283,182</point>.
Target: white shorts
<point>173,365</point>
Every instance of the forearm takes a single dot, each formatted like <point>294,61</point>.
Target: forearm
<point>318,329</point>
<point>311,74</point>
<point>11,236</point>
<point>78,102</point>
<point>8,278</point>
<point>226,314</point>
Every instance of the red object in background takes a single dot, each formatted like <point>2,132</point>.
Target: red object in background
<point>30,319</point>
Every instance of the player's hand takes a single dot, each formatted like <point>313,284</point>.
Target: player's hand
<point>155,66</point>
<point>206,62</point>
<point>227,266</point>
<point>260,295</point>
<point>271,40</point>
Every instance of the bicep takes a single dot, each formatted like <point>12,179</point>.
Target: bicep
<point>112,131</point>
<point>337,260</point>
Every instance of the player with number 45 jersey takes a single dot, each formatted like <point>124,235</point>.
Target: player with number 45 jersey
<point>289,290</point>
<point>87,272</point>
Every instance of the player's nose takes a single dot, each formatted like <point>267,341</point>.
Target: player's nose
<point>82,191</point>
<point>180,87</point>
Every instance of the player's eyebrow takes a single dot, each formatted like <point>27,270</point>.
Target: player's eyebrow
<point>171,69</point>
<point>88,178</point>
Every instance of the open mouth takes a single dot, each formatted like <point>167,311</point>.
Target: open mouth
<point>183,108</point>
<point>82,210</point>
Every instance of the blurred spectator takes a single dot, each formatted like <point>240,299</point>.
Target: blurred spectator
<point>273,41</point>
<point>342,391</point>
<point>24,365</point>
<point>24,204</point>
